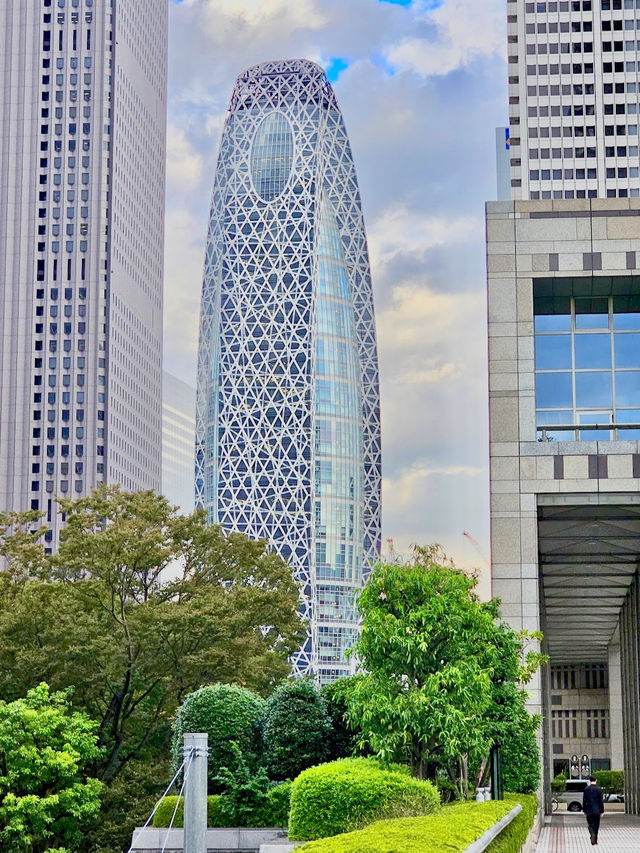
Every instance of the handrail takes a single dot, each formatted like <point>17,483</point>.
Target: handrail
<point>582,428</point>
<point>493,832</point>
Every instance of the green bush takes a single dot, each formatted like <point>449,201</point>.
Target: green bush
<point>448,790</point>
<point>611,781</point>
<point>343,738</point>
<point>297,730</point>
<point>217,814</point>
<point>229,714</point>
<point>451,830</point>
<point>559,783</point>
<point>520,754</point>
<point>512,837</point>
<point>220,813</point>
<point>350,793</point>
<point>278,803</point>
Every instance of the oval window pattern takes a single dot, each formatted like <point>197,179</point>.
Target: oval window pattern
<point>272,156</point>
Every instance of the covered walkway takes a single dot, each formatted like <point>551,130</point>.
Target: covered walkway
<point>619,833</point>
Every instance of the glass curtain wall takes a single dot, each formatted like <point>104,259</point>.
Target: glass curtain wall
<point>338,436</point>
<point>587,363</point>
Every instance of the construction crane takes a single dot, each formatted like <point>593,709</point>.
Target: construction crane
<point>477,547</point>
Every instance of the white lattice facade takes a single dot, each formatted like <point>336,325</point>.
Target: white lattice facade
<point>288,416</point>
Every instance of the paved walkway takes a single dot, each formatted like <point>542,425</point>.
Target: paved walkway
<point>619,833</point>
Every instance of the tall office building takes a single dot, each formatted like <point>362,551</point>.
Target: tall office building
<point>574,95</point>
<point>82,152</point>
<point>564,375</point>
<point>288,421</point>
<point>178,441</point>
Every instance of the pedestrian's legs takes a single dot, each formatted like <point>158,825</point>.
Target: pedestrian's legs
<point>593,821</point>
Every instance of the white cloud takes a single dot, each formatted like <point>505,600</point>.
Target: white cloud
<point>184,257</point>
<point>464,30</point>
<point>400,230</point>
<point>184,164</point>
<point>241,19</point>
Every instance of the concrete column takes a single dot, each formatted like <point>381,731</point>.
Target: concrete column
<point>196,751</point>
<point>615,704</point>
<point>631,697</point>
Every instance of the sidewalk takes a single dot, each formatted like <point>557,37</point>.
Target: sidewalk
<point>619,833</point>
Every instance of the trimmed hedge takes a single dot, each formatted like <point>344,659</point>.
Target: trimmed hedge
<point>451,830</point>
<point>514,836</point>
<point>344,795</point>
<point>219,814</point>
<point>229,715</point>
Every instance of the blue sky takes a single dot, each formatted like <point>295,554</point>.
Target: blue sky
<point>422,86</point>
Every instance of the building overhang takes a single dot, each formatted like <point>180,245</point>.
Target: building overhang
<point>589,550</point>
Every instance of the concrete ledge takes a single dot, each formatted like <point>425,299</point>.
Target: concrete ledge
<point>153,839</point>
<point>284,847</point>
<point>491,834</point>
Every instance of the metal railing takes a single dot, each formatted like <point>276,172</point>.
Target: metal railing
<point>577,429</point>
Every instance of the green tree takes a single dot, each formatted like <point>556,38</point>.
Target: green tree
<point>510,726</point>
<point>231,716</point>
<point>343,739</point>
<point>431,659</point>
<point>297,729</point>
<point>138,608</point>
<point>46,799</point>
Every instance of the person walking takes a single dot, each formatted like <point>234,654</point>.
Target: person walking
<point>593,807</point>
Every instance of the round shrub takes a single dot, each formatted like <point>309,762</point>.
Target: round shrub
<point>344,795</point>
<point>230,715</point>
<point>297,729</point>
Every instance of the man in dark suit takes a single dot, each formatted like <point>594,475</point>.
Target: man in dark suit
<point>593,807</point>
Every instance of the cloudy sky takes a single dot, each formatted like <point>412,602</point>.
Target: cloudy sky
<point>422,86</point>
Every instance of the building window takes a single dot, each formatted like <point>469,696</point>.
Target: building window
<point>597,724</point>
<point>587,360</point>
<point>564,724</point>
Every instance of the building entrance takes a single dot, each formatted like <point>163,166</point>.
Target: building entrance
<point>588,564</point>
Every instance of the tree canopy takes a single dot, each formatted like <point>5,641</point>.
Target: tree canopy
<point>139,607</point>
<point>46,799</point>
<point>438,669</point>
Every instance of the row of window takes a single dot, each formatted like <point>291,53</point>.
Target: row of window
<point>46,40</point>
<point>563,174</point>
<point>560,47</point>
<point>590,676</point>
<point>562,27</point>
<point>580,6</point>
<point>559,153</point>
<point>565,89</point>
<point>562,6</point>
<point>568,153</point>
<point>580,174</point>
<point>586,68</point>
<point>74,17</point>
<point>580,724</point>
<point>62,487</point>
<point>555,48</point>
<point>73,3</point>
<point>535,195</point>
